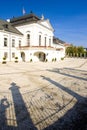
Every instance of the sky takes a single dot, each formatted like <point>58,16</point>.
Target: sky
<point>67,17</point>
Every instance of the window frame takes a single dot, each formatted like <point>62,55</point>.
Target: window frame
<point>13,54</point>
<point>28,39</point>
<point>39,40</point>
<point>5,41</point>
<point>45,41</point>
<point>13,42</point>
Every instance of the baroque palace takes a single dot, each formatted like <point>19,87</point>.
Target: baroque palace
<point>29,38</point>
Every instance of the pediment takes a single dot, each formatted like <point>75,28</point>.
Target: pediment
<point>46,23</point>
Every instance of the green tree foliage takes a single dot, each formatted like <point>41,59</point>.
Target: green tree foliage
<point>75,51</point>
<point>80,50</point>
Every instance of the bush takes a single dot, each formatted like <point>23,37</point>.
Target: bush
<point>62,58</point>
<point>4,60</point>
<point>55,59</point>
<point>46,60</point>
<point>31,60</point>
<point>16,59</point>
<point>52,59</point>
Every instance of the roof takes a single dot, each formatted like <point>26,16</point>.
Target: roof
<point>57,40</point>
<point>46,24</point>
<point>67,44</point>
<point>24,19</point>
<point>6,26</point>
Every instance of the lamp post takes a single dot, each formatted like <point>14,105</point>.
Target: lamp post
<point>20,49</point>
<point>10,46</point>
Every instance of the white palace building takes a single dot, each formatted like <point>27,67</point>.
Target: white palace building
<point>29,38</point>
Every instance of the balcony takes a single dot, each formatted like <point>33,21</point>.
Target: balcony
<point>35,47</point>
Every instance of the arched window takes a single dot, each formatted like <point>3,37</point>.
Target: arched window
<point>28,39</point>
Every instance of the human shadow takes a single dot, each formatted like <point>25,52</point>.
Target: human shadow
<point>23,118</point>
<point>4,104</point>
<point>76,117</point>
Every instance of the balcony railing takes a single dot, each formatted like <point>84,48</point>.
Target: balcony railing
<point>35,47</point>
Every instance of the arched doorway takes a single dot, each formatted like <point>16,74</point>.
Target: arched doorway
<point>23,56</point>
<point>40,55</point>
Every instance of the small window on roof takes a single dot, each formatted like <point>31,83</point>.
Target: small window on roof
<point>5,25</point>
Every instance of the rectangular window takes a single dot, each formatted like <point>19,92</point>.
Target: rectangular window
<point>13,55</point>
<point>5,42</point>
<point>5,54</point>
<point>49,42</point>
<point>39,40</point>
<point>13,42</point>
<point>45,40</point>
<point>28,39</point>
<point>19,43</point>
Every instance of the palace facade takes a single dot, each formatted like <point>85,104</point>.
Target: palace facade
<point>29,38</point>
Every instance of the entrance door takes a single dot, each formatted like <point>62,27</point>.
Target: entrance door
<point>40,55</point>
<point>23,56</point>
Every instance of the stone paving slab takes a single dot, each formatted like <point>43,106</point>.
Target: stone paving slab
<point>42,96</point>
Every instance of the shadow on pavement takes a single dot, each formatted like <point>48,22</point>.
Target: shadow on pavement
<point>23,119</point>
<point>76,117</point>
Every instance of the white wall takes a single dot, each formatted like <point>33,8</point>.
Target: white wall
<point>9,49</point>
<point>35,30</point>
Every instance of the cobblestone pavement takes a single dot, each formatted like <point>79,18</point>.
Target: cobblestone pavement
<point>44,96</point>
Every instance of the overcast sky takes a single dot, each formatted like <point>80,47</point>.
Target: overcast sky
<point>68,17</point>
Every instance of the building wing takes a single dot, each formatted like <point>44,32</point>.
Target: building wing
<point>6,26</point>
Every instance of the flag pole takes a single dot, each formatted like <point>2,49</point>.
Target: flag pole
<point>23,11</point>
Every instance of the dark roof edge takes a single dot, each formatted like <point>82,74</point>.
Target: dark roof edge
<point>26,16</point>
<point>57,40</point>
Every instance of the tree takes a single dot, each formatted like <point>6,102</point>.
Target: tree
<point>69,50</point>
<point>80,50</point>
<point>75,51</point>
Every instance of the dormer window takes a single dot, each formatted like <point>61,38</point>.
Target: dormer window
<point>5,25</point>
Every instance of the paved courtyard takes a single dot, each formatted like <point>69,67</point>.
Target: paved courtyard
<point>44,96</point>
